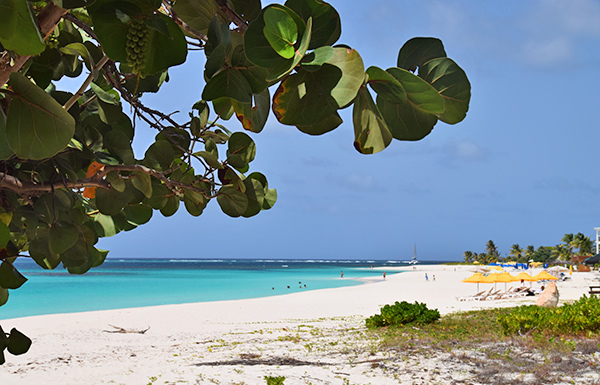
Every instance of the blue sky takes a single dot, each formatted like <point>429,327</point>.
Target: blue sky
<point>519,169</point>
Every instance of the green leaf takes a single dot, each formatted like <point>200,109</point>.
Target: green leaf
<point>62,237</point>
<point>308,97</point>
<point>5,150</point>
<point>196,13</point>
<point>3,300</point>
<point>159,155</point>
<point>110,97</point>
<point>76,256</point>
<point>281,31</point>
<point>229,83</point>
<point>171,206</point>
<point>10,278</point>
<point>452,83</point>
<point>419,50</point>
<point>142,182</point>
<point>232,201</point>
<point>327,25</point>
<point>314,60</point>
<point>40,252</point>
<point>404,121</point>
<point>254,118</point>
<point>386,86</point>
<point>37,127</point>
<point>270,199</point>
<point>323,126</point>
<point>370,130</point>
<point>18,343</point>
<point>111,202</point>
<point>81,50</point>
<point>18,28</point>
<point>194,202</point>
<point>138,214</point>
<point>229,177</point>
<point>105,225</point>
<point>241,150</point>
<point>4,235</point>
<point>260,52</point>
<point>160,193</point>
<point>247,9</point>
<point>209,157</point>
<point>223,108</point>
<point>420,94</point>
<point>255,193</point>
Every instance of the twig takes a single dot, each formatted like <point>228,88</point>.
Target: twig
<point>123,330</point>
<point>85,84</point>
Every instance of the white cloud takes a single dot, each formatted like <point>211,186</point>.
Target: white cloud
<point>462,151</point>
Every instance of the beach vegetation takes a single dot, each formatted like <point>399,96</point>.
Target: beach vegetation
<point>476,342</point>
<point>403,313</point>
<point>68,172</point>
<point>274,380</point>
<point>571,244</point>
<point>581,317</point>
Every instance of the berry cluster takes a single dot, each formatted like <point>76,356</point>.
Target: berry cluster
<point>52,41</point>
<point>137,39</point>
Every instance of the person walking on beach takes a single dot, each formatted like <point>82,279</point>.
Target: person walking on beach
<point>426,277</point>
<point>384,275</point>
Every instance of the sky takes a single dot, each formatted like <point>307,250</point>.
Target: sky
<point>519,169</point>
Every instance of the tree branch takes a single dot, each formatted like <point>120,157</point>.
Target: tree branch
<point>232,15</point>
<point>20,187</point>
<point>47,21</point>
<point>85,84</point>
<point>200,36</point>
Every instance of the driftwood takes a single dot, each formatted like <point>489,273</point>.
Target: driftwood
<point>119,329</point>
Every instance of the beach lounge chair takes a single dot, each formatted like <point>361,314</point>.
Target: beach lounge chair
<point>492,296</point>
<point>470,297</point>
<point>483,297</point>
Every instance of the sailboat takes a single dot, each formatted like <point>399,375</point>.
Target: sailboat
<point>414,261</point>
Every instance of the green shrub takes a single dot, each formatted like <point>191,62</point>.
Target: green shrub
<point>274,380</point>
<point>403,313</point>
<point>582,316</point>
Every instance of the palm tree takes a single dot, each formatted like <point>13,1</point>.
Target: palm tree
<point>492,251</point>
<point>468,256</point>
<point>568,240</point>
<point>516,251</point>
<point>582,243</point>
<point>529,251</point>
<point>561,252</point>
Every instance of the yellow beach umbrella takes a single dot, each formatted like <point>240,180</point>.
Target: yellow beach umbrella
<point>477,278</point>
<point>496,268</point>
<point>501,277</point>
<point>544,276</point>
<point>524,276</point>
<point>570,269</point>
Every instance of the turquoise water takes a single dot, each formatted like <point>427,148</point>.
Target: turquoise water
<point>136,283</point>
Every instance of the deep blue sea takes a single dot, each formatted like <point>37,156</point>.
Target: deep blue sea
<point>125,283</point>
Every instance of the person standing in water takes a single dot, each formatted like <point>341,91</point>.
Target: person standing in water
<point>342,274</point>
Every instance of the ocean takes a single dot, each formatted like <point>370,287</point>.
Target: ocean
<point>126,283</point>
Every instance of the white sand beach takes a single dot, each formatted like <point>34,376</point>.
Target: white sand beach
<point>305,337</point>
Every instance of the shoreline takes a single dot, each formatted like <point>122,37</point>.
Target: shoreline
<point>75,348</point>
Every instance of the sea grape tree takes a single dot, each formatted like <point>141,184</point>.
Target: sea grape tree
<point>68,174</point>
